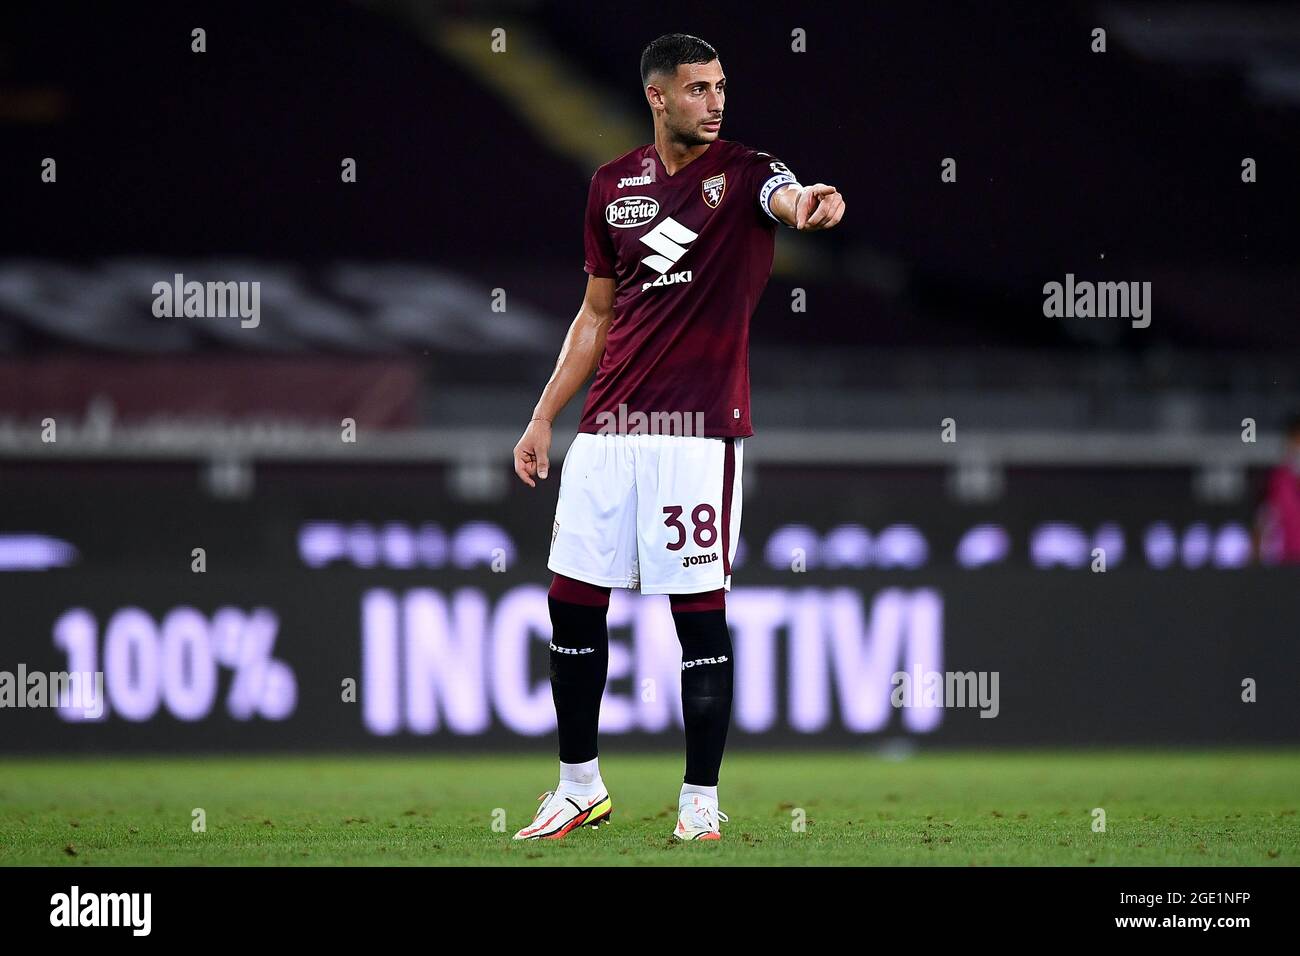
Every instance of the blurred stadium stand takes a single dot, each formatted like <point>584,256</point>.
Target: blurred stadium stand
<point>473,169</point>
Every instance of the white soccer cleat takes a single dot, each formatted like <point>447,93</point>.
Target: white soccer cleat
<point>561,813</point>
<point>698,820</point>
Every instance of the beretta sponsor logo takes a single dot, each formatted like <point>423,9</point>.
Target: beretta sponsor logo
<point>628,211</point>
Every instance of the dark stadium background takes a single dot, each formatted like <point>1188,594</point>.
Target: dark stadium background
<point>472,171</point>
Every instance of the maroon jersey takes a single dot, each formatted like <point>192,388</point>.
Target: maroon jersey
<point>690,255</point>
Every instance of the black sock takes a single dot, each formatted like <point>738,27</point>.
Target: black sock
<point>579,666</point>
<point>707,669</point>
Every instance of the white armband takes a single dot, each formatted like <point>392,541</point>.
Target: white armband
<point>770,187</point>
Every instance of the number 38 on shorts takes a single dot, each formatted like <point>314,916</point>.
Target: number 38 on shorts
<point>658,513</point>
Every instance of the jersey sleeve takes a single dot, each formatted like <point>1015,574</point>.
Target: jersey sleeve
<point>595,235</point>
<point>767,175</point>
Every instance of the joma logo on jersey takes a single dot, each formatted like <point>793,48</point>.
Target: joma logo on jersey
<point>668,240</point>
<point>634,181</point>
<point>699,559</point>
<point>627,212</point>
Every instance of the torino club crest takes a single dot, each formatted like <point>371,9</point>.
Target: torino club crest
<point>713,188</point>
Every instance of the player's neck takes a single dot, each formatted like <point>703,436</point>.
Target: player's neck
<point>674,155</point>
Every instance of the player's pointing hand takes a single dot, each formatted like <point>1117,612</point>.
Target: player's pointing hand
<point>820,207</point>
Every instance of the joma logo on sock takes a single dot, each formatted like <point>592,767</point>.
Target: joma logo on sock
<point>705,660</point>
<point>571,650</point>
<point>699,559</point>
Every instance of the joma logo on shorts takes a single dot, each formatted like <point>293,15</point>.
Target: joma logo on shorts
<point>722,659</point>
<point>571,650</point>
<point>699,559</point>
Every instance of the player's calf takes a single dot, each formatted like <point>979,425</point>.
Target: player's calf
<point>579,664</point>
<point>707,675</point>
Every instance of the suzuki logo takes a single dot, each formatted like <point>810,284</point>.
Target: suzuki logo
<point>668,240</point>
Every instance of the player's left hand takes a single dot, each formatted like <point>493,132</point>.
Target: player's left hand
<point>820,207</point>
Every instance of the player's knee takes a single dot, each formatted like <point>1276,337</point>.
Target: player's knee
<point>703,601</point>
<point>573,591</point>
<point>579,635</point>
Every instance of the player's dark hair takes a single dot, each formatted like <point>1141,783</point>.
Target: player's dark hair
<point>666,53</point>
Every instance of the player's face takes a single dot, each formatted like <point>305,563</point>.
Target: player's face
<point>693,102</point>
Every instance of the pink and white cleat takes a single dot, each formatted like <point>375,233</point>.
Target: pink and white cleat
<point>698,819</point>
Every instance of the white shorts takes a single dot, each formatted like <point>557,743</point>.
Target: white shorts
<point>658,513</point>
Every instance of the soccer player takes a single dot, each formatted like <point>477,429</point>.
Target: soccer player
<point>679,238</point>
<point>1277,520</point>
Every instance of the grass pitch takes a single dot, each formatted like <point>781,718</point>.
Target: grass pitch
<point>955,809</point>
